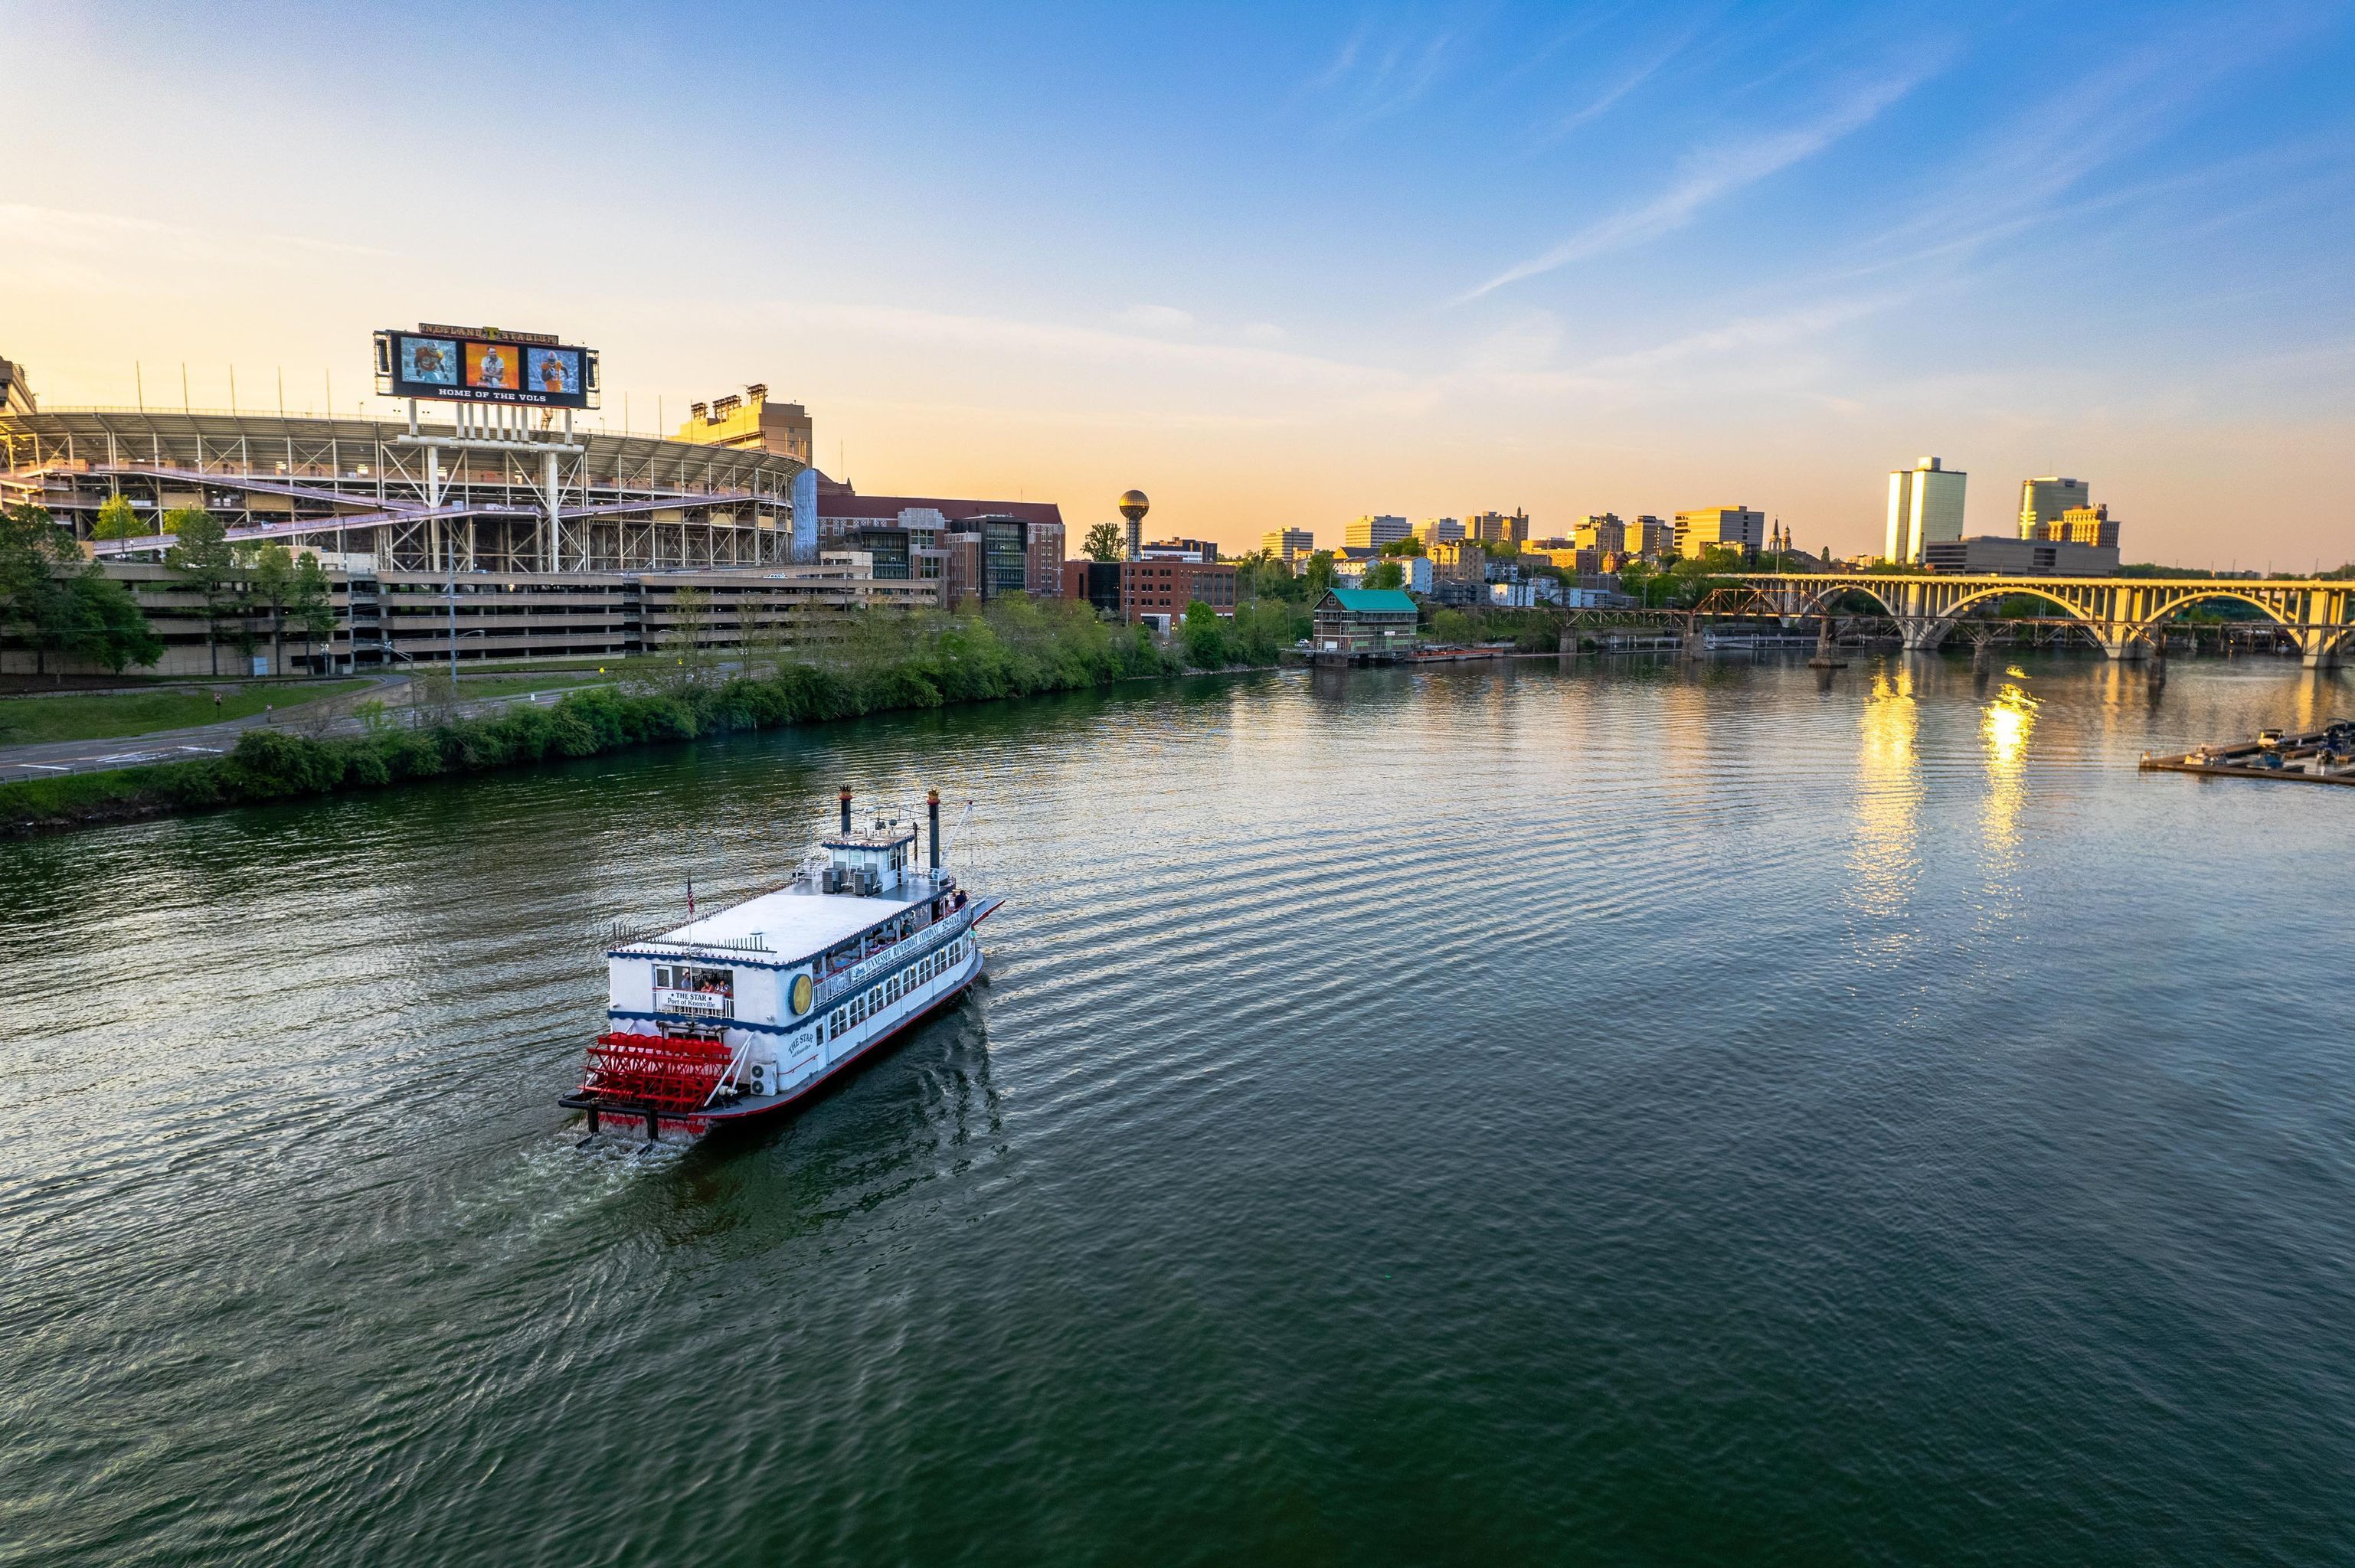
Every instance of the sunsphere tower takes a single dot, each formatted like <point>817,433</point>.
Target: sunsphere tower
<point>1133,506</point>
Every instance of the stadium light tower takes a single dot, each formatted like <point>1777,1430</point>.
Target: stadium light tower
<point>1133,506</point>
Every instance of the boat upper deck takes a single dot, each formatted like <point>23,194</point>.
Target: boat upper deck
<point>796,922</point>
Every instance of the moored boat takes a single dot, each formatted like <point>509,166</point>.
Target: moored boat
<point>744,1013</point>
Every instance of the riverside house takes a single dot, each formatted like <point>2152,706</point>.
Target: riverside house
<point>1360,624</point>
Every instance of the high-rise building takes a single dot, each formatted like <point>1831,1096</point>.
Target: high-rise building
<point>1601,532</point>
<point>1498,527</point>
<point>1373,532</point>
<point>1438,530</point>
<point>2044,500</point>
<point>1720,528</point>
<point>1288,545</point>
<point>1926,507</point>
<point>1648,536</point>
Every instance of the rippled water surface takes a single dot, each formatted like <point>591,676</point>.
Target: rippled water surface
<point>1500,1113</point>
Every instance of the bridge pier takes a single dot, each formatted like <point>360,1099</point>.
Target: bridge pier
<point>2318,650</point>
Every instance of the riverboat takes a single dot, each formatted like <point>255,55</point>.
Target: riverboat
<point>744,1013</point>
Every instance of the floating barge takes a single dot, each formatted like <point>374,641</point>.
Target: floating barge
<point>2326,756</point>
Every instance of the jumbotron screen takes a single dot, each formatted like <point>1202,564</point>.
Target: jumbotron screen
<point>478,365</point>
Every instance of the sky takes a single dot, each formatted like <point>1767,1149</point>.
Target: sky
<point>1276,265</point>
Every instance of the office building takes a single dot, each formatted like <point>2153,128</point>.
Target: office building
<point>1095,582</point>
<point>2042,501</point>
<point>1438,531</point>
<point>2080,525</point>
<point>1648,537</point>
<point>1288,545</point>
<point>2020,558</point>
<point>1156,591</point>
<point>1004,556</point>
<point>1926,507</point>
<point>1461,558</point>
<point>1200,550</point>
<point>1373,532</point>
<point>1720,528</point>
<point>1498,527</point>
<point>1601,532</point>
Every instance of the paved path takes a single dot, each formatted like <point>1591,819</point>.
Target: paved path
<point>49,759</point>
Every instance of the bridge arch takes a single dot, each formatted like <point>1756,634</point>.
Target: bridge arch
<point>1814,604</point>
<point>2272,612</point>
<point>1943,621</point>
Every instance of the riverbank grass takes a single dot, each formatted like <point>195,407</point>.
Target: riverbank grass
<point>32,720</point>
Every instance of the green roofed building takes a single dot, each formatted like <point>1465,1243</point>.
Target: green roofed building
<point>1363,623</point>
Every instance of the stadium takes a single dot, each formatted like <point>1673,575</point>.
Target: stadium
<point>481,529</point>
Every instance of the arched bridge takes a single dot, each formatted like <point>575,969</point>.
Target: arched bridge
<point>2121,612</point>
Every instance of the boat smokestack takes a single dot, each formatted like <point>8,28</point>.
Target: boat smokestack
<point>845,810</point>
<point>932,808</point>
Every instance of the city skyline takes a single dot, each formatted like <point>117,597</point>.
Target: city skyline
<point>1276,270</point>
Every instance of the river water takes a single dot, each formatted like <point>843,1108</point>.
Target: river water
<point>1502,1112</point>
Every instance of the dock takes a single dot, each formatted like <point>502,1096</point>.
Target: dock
<point>2326,756</point>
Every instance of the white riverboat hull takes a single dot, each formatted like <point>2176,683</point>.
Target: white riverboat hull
<point>873,1005</point>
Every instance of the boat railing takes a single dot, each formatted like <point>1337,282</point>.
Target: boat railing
<point>857,976</point>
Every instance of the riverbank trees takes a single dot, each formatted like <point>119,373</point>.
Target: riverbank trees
<point>885,659</point>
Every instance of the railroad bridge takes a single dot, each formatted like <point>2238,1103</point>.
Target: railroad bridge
<point>2122,613</point>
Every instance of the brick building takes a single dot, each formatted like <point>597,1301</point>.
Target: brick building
<point>1164,589</point>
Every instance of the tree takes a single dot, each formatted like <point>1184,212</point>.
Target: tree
<point>63,603</point>
<point>270,582</point>
<point>117,521</point>
<point>311,605</point>
<point>1407,547</point>
<point>1386,575</point>
<point>1262,628</point>
<point>1104,543</point>
<point>109,627</point>
<point>201,555</point>
<point>687,640</point>
<point>1204,639</point>
<point>1320,575</point>
<point>1452,625</point>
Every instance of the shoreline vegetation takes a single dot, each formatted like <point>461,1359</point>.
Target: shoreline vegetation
<point>884,662</point>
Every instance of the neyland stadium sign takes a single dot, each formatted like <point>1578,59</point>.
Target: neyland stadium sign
<point>485,365</point>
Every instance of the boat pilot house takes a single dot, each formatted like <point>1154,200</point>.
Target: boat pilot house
<point>1354,624</point>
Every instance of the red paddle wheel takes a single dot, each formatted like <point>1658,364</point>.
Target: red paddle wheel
<point>662,1072</point>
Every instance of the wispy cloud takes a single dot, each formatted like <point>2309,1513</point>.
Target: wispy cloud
<point>1777,331</point>
<point>2037,166</point>
<point>1706,176</point>
<point>1636,75</point>
<point>1371,78</point>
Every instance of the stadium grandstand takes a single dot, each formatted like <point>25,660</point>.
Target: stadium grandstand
<point>494,534</point>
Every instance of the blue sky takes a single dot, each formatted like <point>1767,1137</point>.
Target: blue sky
<point>1274,265</point>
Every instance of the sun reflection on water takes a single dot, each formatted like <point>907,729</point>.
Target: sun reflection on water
<point>1886,857</point>
<point>2004,725</point>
